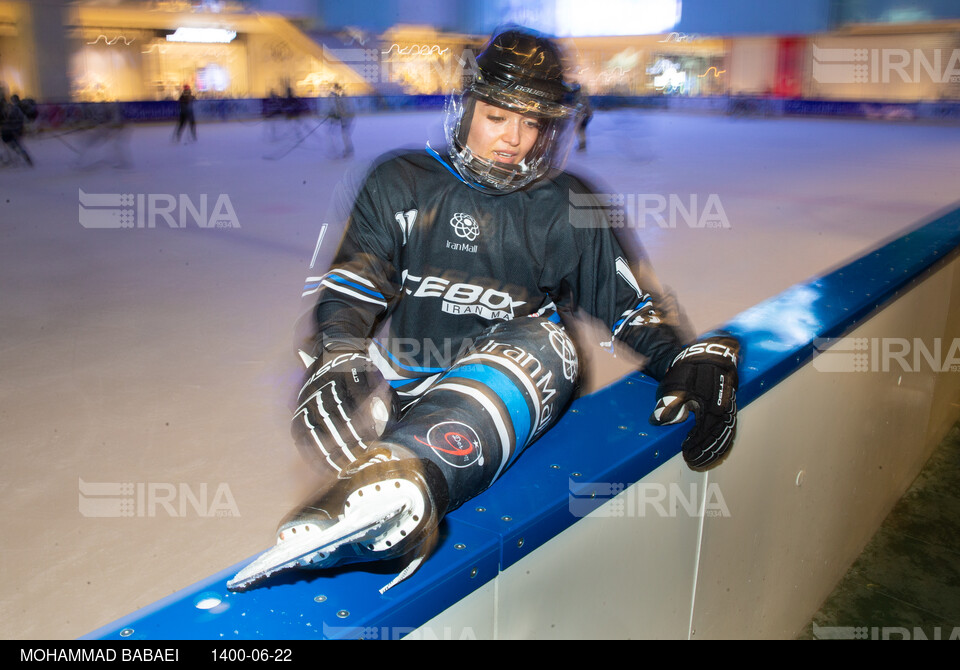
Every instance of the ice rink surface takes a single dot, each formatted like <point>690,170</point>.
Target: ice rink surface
<point>146,373</point>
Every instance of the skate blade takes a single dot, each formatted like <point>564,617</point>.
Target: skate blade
<point>288,551</point>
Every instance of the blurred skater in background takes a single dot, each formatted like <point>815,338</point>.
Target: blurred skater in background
<point>12,119</point>
<point>105,138</point>
<point>186,115</point>
<point>341,113</point>
<point>586,115</point>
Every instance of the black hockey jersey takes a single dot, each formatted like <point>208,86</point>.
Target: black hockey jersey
<point>443,260</point>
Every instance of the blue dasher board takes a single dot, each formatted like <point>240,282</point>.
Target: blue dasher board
<point>531,503</point>
<point>604,437</point>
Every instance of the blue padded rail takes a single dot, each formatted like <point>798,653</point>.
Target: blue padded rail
<point>605,437</point>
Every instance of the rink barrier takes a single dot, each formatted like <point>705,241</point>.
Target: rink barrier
<point>63,116</point>
<point>554,550</point>
<point>945,111</point>
<point>52,116</point>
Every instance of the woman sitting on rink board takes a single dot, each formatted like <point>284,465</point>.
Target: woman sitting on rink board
<point>476,243</point>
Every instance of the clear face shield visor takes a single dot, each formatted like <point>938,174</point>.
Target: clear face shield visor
<point>556,120</point>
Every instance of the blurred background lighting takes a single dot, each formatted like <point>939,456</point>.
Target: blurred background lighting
<point>204,35</point>
<point>576,18</point>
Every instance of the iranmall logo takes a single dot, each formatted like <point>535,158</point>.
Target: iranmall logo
<point>146,210</point>
<point>883,66</point>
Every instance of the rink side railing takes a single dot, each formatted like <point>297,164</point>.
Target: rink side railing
<point>848,382</point>
<point>67,115</point>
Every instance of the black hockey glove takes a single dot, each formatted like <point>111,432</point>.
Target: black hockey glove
<point>702,378</point>
<point>343,406</point>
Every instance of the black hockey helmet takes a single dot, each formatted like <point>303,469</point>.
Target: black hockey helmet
<point>522,71</point>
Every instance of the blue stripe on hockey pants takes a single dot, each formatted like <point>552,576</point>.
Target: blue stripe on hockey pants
<point>501,395</point>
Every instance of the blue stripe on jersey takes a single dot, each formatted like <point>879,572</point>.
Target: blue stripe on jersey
<point>508,392</point>
<point>432,152</point>
<point>631,314</point>
<point>363,289</point>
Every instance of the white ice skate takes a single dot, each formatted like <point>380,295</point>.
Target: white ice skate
<point>385,505</point>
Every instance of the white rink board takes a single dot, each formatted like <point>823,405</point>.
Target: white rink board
<point>820,460</point>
